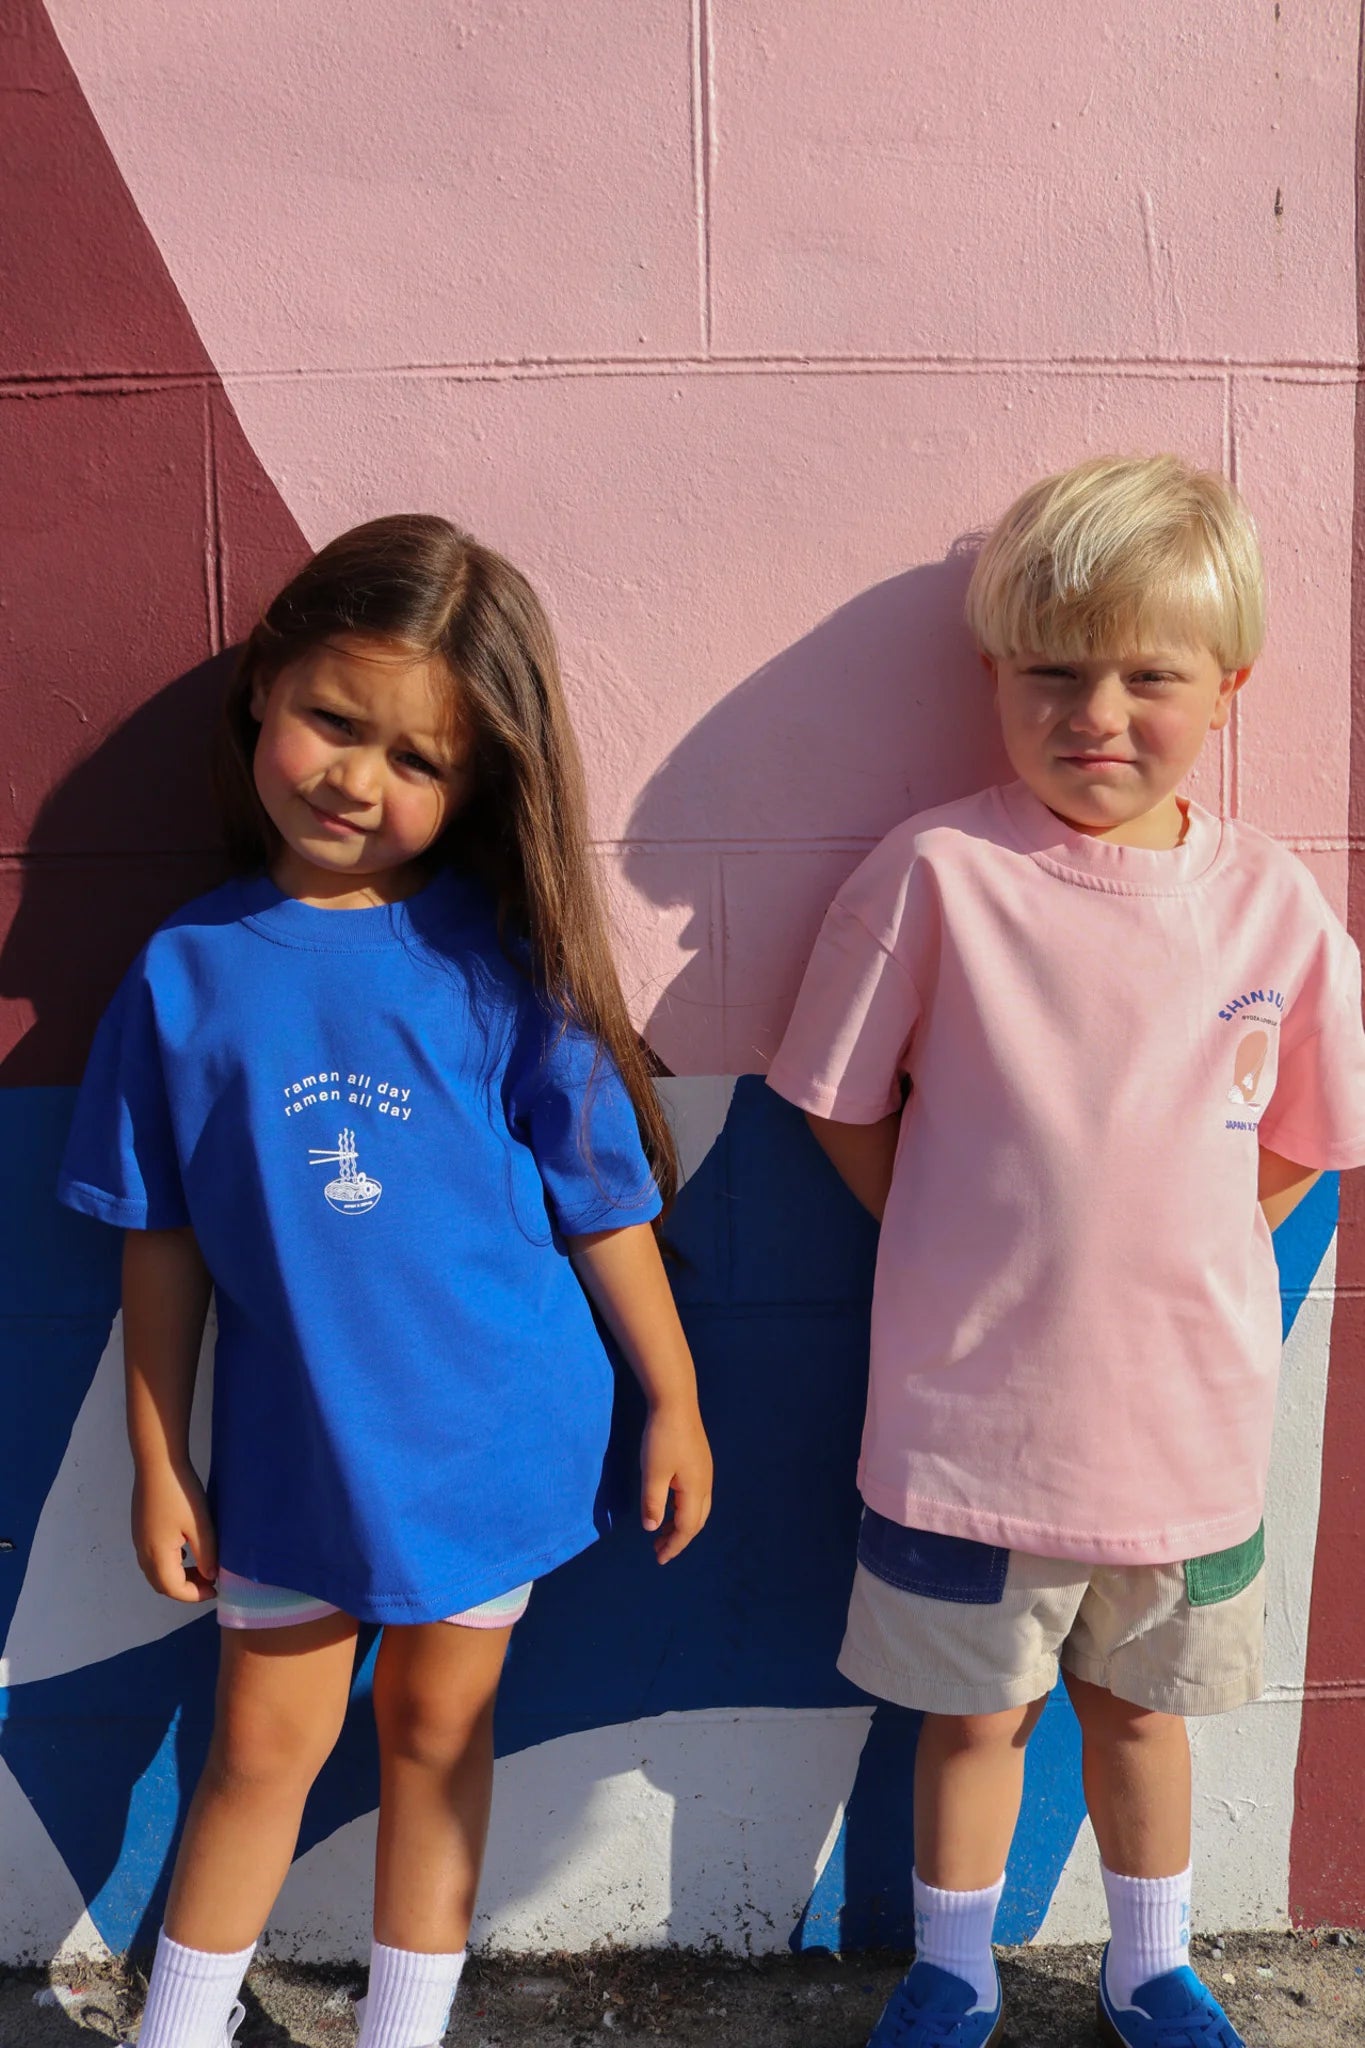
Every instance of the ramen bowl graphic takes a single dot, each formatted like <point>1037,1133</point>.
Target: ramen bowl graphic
<point>1247,1067</point>
<point>352,1192</point>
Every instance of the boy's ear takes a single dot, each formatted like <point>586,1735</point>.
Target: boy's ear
<point>1230,683</point>
<point>989,663</point>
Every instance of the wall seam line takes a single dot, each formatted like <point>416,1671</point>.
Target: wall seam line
<point>131,383</point>
<point>701,160</point>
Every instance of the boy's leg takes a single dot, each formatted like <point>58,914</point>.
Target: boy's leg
<point>1135,1765</point>
<point>969,1782</point>
<point>968,1634</point>
<point>281,1696</point>
<point>434,1691</point>
<point>1152,1644</point>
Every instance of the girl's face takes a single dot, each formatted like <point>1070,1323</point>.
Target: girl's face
<point>358,770</point>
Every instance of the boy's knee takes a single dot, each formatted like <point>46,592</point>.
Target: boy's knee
<point>1105,1717</point>
<point>955,1734</point>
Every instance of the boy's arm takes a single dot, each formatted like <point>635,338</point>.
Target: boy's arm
<point>166,1288</point>
<point>863,1155</point>
<point>1281,1185</point>
<point>624,1277</point>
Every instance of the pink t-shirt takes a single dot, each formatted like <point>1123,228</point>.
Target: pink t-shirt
<point>1076,1317</point>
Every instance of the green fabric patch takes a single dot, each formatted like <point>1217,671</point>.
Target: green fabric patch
<point>1224,1573</point>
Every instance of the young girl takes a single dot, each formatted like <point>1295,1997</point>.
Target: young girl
<point>381,1095</point>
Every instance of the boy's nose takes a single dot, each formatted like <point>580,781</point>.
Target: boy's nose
<point>1099,709</point>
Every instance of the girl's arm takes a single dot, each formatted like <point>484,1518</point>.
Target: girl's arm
<point>863,1156</point>
<point>166,1289</point>
<point>1281,1186</point>
<point>624,1277</point>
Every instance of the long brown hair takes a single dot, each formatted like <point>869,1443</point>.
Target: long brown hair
<point>416,579</point>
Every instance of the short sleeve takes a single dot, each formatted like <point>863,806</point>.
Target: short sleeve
<point>575,1113</point>
<point>1316,1113</point>
<point>120,1163</point>
<point>844,1050</point>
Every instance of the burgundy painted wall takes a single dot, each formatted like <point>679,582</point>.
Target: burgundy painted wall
<point>139,536</point>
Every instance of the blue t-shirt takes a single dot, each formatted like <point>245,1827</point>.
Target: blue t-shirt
<point>380,1139</point>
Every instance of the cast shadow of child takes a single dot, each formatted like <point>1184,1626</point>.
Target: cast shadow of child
<point>127,836</point>
<point>748,827</point>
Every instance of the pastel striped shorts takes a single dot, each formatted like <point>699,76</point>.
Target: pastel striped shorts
<point>244,1603</point>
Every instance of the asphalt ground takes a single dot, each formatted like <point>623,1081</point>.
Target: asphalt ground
<point>1297,1990</point>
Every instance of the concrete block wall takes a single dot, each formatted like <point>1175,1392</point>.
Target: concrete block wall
<point>731,321</point>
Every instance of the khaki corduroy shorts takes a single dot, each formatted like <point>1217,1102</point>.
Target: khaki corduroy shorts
<point>969,1629</point>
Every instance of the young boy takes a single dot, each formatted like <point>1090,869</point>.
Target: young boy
<point>1078,1044</point>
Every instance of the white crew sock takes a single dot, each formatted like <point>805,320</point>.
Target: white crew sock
<point>191,1996</point>
<point>409,1999</point>
<point>953,1930</point>
<point>1150,1920</point>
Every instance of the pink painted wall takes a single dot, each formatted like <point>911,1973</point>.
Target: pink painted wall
<point>727,319</point>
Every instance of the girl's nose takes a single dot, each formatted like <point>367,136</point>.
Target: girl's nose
<point>356,776</point>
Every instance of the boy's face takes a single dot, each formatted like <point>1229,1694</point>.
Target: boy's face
<point>1106,741</point>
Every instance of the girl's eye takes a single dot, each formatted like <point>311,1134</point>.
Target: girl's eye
<point>333,719</point>
<point>420,763</point>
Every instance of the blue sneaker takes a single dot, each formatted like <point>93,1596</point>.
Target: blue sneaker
<point>1172,2011</point>
<point>930,2008</point>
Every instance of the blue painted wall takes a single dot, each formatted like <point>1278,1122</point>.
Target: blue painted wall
<point>773,1274</point>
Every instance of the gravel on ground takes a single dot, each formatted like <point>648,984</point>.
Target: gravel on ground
<point>1294,1990</point>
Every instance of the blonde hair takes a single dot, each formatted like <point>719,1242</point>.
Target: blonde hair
<point>1122,551</point>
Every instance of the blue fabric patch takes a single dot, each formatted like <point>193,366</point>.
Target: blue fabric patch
<point>939,1567</point>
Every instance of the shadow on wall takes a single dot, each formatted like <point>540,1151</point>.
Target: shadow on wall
<point>753,821</point>
<point>124,839</point>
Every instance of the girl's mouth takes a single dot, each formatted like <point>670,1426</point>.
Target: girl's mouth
<point>330,822</point>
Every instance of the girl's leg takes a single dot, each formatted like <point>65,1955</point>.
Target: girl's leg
<point>282,1695</point>
<point>434,1689</point>
<point>1136,1769</point>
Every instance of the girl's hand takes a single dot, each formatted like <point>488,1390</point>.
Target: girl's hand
<point>675,1458</point>
<point>170,1510</point>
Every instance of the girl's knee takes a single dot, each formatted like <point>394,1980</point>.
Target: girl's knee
<point>426,1727</point>
<point>256,1746</point>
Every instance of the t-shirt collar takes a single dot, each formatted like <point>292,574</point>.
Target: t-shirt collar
<point>447,901</point>
<point>1136,870</point>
